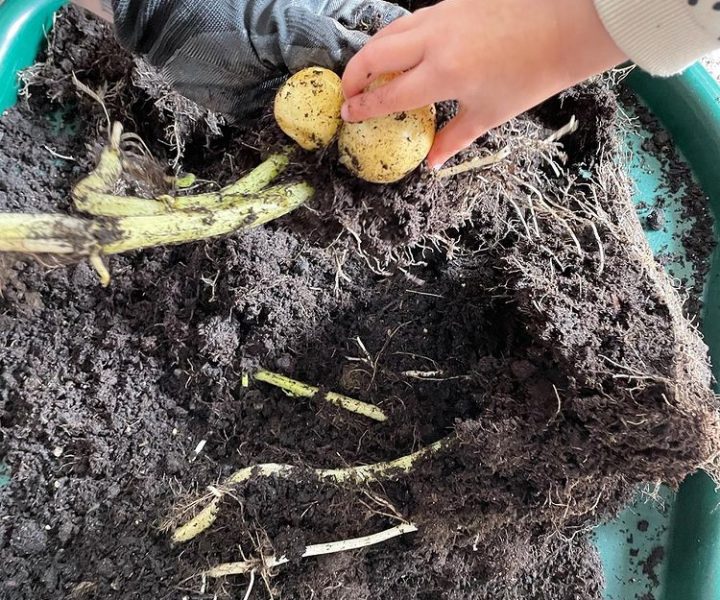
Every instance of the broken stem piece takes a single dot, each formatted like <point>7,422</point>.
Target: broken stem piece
<point>303,390</point>
<point>476,163</point>
<point>357,475</point>
<point>265,564</point>
<point>566,129</point>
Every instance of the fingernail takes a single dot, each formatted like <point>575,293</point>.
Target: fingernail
<point>345,112</point>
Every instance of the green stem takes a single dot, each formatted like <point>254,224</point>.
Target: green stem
<point>261,176</point>
<point>93,195</point>
<point>131,223</point>
<point>46,234</point>
<point>100,204</point>
<point>101,181</point>
<point>61,234</point>
<point>303,390</point>
<point>132,233</point>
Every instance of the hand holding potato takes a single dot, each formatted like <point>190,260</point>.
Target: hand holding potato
<point>385,149</point>
<point>497,59</point>
<point>379,150</point>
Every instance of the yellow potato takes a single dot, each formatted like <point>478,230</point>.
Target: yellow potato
<point>386,149</point>
<point>307,107</point>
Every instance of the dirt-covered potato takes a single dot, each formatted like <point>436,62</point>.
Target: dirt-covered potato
<point>307,107</point>
<point>386,149</point>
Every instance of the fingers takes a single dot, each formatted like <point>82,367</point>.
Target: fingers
<point>407,92</point>
<point>457,135</point>
<point>383,55</point>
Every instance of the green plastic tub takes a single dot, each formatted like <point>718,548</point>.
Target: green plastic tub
<point>686,526</point>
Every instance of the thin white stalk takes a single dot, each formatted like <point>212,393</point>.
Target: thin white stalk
<point>249,566</point>
<point>475,163</point>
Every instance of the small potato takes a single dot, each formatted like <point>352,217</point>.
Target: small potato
<point>386,149</point>
<point>307,107</point>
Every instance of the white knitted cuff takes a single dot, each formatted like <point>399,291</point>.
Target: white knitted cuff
<point>660,36</point>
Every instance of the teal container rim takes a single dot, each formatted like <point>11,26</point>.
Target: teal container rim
<point>688,106</point>
<point>23,27</point>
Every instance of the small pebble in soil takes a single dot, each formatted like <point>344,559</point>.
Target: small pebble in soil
<point>50,578</point>
<point>661,138</point>
<point>656,219</point>
<point>301,266</point>
<point>29,537</point>
<point>522,369</point>
<point>106,568</point>
<point>65,532</point>
<point>174,463</point>
<point>284,363</point>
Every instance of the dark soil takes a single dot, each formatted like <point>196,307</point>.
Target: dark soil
<point>568,376</point>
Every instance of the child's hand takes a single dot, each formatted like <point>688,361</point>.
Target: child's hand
<point>497,58</point>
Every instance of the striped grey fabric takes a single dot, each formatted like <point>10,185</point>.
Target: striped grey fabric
<point>231,55</point>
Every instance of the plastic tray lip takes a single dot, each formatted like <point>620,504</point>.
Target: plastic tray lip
<point>23,24</point>
<point>688,106</point>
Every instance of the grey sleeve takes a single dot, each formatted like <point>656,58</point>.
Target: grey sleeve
<point>230,55</point>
